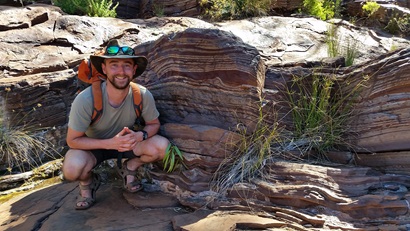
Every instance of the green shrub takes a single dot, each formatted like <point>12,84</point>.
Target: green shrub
<point>370,8</point>
<point>101,8</point>
<point>234,9</point>
<point>93,8</point>
<point>75,7</point>
<point>398,25</point>
<point>323,9</point>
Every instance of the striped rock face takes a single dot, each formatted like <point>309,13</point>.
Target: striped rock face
<point>205,77</point>
<point>205,83</point>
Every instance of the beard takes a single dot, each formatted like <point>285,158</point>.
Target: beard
<point>118,85</point>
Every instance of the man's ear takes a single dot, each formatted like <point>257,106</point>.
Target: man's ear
<point>135,68</point>
<point>103,67</point>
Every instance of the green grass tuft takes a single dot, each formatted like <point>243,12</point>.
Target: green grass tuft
<point>321,111</point>
<point>336,46</point>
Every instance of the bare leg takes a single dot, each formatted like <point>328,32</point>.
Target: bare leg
<point>77,166</point>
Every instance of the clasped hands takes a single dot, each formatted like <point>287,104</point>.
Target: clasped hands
<point>126,139</point>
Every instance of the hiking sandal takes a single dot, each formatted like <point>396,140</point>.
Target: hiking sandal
<point>93,187</point>
<point>124,172</point>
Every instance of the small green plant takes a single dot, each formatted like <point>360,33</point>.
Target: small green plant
<point>393,47</point>
<point>398,25</point>
<point>159,10</point>
<point>334,46</point>
<point>22,146</point>
<point>173,158</point>
<point>350,52</point>
<point>370,8</point>
<point>93,8</point>
<point>332,41</point>
<point>353,20</point>
<point>404,23</point>
<point>392,26</point>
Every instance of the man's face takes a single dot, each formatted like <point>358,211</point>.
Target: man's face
<point>119,71</point>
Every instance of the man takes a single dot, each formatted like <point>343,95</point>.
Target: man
<point>112,135</point>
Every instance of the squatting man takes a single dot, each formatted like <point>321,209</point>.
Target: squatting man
<point>112,134</point>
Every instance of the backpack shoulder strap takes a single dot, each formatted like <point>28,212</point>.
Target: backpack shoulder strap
<point>137,99</point>
<point>97,101</point>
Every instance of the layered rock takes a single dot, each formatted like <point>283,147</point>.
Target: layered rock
<point>203,93</point>
<point>383,109</point>
<point>215,77</point>
<point>358,196</point>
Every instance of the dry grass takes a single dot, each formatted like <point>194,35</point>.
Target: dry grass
<point>250,155</point>
<point>23,147</point>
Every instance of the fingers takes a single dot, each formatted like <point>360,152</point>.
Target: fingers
<point>126,140</point>
<point>122,132</point>
<point>127,130</point>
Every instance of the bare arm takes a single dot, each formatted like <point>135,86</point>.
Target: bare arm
<point>151,127</point>
<point>78,140</point>
<point>123,141</point>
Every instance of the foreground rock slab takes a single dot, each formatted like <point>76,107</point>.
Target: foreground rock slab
<point>293,196</point>
<point>52,208</point>
<point>204,220</point>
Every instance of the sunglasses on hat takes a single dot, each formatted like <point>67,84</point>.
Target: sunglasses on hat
<point>114,50</point>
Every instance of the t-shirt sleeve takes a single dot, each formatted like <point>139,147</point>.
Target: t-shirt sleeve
<point>149,110</point>
<point>81,111</point>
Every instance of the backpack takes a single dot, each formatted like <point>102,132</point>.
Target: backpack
<point>88,75</point>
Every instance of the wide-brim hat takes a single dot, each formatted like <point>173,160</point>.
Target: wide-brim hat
<point>97,60</point>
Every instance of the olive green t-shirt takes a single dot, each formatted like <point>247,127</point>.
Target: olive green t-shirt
<point>113,119</point>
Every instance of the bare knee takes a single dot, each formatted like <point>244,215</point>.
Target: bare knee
<point>152,149</point>
<point>77,164</point>
<point>161,144</point>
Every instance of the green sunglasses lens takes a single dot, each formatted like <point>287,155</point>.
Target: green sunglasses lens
<point>113,50</point>
<point>127,50</point>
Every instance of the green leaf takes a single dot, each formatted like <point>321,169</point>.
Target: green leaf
<point>179,152</point>
<point>167,151</point>
<point>167,155</point>
<point>172,163</point>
